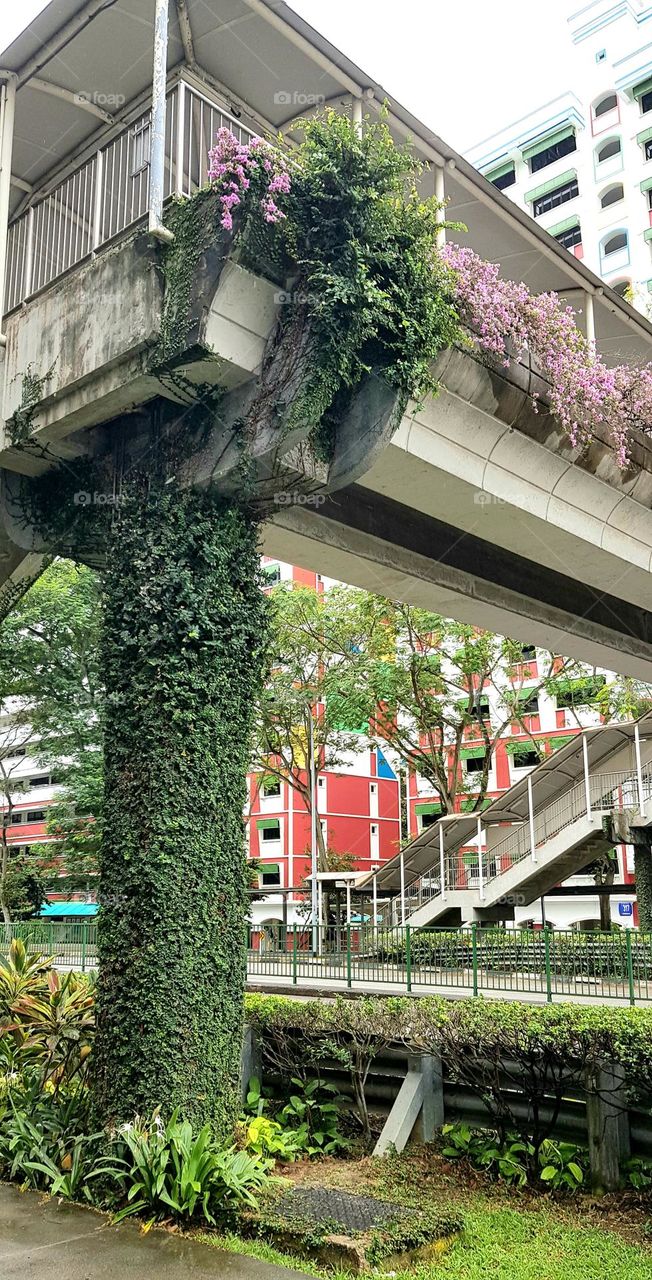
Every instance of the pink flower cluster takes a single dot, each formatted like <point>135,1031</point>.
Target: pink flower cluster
<point>507,320</point>
<point>233,165</point>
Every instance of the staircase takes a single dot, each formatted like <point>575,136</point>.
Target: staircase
<point>508,868</point>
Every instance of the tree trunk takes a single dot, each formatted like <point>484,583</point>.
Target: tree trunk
<point>605,905</point>
<point>184,631</point>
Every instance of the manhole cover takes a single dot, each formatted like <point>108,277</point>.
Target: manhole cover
<point>350,1213</point>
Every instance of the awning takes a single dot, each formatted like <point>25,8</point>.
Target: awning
<point>52,909</point>
<point>551,185</point>
<point>547,140</point>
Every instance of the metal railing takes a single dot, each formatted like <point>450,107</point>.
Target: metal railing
<point>544,964</point>
<point>462,868</point>
<point>109,192</point>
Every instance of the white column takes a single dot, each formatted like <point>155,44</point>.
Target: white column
<point>157,128</point>
<point>402,887</point>
<point>442,861</point>
<point>530,811</point>
<point>356,115</point>
<point>589,316</point>
<point>29,254</point>
<point>440,195</point>
<point>316,891</point>
<point>7,116</point>
<point>639,769</point>
<point>480,862</point>
<point>587,780</point>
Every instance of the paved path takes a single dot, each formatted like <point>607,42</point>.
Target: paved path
<point>325,987</point>
<point>40,1240</point>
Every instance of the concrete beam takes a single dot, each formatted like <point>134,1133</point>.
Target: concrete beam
<point>418,1106</point>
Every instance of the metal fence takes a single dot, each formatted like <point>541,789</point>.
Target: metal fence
<point>546,964</point>
<point>109,192</point>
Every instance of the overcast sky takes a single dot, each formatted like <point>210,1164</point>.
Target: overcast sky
<point>464,68</point>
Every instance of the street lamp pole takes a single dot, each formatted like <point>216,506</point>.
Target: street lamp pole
<point>313,833</point>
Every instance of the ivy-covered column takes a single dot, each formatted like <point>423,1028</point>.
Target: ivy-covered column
<point>184,638</point>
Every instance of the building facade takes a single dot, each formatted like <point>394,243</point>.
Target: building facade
<point>581,165</point>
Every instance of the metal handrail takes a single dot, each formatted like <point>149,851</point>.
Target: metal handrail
<point>109,192</point>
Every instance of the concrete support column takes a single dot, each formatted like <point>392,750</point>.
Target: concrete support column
<point>607,1124</point>
<point>7,116</point>
<point>589,316</point>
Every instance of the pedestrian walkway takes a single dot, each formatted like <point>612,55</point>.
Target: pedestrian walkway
<point>41,1240</point>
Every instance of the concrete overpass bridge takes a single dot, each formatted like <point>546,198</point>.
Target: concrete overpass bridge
<point>472,505</point>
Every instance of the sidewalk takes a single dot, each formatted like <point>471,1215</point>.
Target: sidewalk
<point>40,1240</point>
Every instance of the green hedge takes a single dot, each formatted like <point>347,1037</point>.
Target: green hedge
<point>581,955</point>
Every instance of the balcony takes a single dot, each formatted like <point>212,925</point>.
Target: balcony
<point>109,191</point>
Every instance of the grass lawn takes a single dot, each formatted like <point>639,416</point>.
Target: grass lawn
<point>510,1234</point>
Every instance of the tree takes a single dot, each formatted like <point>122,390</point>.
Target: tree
<point>297,725</point>
<point>424,683</point>
<point>50,688</point>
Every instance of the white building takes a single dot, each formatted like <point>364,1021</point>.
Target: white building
<point>581,165</point>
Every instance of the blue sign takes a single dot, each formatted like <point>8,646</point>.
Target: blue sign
<point>625,909</point>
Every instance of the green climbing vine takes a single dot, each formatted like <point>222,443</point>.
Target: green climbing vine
<point>184,639</point>
<point>19,425</point>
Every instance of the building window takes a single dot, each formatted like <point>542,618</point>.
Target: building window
<point>41,780</point>
<point>568,239</point>
<point>428,819</point>
<point>35,815</point>
<point>648,149</point>
<point>646,102</point>
<point>614,244</point>
<point>612,195</point>
<point>528,653</point>
<point>608,103</point>
<point>272,831</point>
<point>271,787</point>
<point>526,759</point>
<point>623,289</point>
<point>481,708</point>
<point>601,55</point>
<point>475,764</point>
<point>548,155</point>
<point>271,574</point>
<point>529,706</point>
<point>608,149</point>
<point>560,195</point>
<point>270,874</point>
<point>505,180</point>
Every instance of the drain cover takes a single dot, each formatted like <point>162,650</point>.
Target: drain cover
<point>350,1213</point>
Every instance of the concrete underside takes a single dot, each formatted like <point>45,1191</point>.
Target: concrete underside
<point>41,1240</point>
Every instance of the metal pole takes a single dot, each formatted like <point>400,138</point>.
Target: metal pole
<point>181,137</point>
<point>315,905</point>
<point>587,780</point>
<point>530,807</point>
<point>157,129</point>
<point>402,887</point>
<point>442,861</point>
<point>7,116</point>
<point>98,204</point>
<point>374,884</point>
<point>480,863</point>
<point>348,902</point>
<point>356,115</point>
<point>639,769</point>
